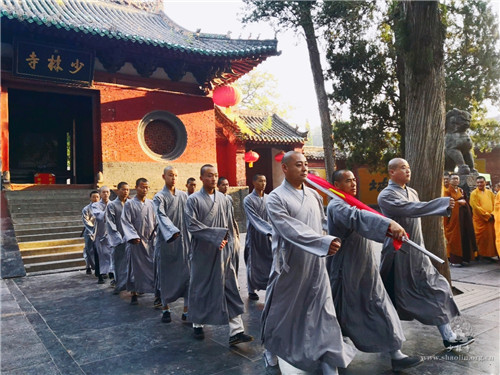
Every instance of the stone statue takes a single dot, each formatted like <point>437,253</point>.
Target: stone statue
<point>458,145</point>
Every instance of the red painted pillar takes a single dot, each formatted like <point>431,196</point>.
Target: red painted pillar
<point>4,128</point>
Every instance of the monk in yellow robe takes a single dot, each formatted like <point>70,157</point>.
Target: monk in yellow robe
<point>458,228</point>
<point>496,213</point>
<point>482,202</point>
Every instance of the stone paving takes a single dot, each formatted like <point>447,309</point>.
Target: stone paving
<point>68,324</point>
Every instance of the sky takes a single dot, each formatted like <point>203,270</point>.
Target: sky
<point>291,68</point>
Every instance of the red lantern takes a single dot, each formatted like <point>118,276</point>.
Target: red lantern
<point>251,157</point>
<point>279,156</point>
<point>226,96</point>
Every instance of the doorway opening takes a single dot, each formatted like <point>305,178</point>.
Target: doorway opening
<point>50,133</point>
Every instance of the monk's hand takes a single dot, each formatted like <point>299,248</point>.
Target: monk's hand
<point>452,202</point>
<point>461,202</point>
<point>135,241</point>
<point>397,231</point>
<point>223,243</point>
<point>334,247</point>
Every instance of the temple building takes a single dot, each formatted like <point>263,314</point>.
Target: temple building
<point>96,91</point>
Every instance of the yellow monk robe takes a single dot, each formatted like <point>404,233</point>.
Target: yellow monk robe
<point>496,212</point>
<point>482,203</point>
<point>458,237</point>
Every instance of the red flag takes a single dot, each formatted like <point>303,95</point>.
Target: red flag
<point>327,188</point>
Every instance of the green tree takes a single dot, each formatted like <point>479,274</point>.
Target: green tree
<point>368,73</point>
<point>259,93</point>
<point>420,33</point>
<point>299,16</point>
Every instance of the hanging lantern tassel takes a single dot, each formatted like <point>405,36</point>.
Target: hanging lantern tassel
<point>251,157</point>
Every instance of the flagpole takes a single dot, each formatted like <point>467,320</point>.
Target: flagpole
<point>331,194</point>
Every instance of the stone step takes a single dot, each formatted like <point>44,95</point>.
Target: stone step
<point>56,270</point>
<point>30,231</point>
<point>33,194</point>
<point>49,219</point>
<point>48,236</point>
<point>48,224</point>
<point>56,257</point>
<point>50,243</point>
<point>28,215</point>
<point>46,206</point>
<point>53,250</point>
<point>55,266</point>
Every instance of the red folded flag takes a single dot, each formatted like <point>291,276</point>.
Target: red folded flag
<point>348,198</point>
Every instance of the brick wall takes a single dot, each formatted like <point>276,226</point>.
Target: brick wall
<point>123,107</point>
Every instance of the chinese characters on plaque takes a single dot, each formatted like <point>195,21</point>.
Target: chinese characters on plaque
<point>48,62</point>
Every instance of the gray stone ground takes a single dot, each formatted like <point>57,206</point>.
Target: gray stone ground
<point>68,324</point>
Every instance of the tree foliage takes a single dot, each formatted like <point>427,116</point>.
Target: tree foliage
<point>300,17</point>
<point>367,73</point>
<point>260,93</point>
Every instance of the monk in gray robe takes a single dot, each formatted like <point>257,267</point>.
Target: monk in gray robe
<point>364,310</point>
<point>138,223</point>
<point>233,246</point>
<point>171,244</point>
<point>258,252</point>
<point>213,290</point>
<point>89,232</point>
<point>417,289</point>
<point>298,322</point>
<point>104,250</point>
<point>115,235</point>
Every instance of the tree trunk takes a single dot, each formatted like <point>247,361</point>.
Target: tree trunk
<point>422,40</point>
<point>319,85</point>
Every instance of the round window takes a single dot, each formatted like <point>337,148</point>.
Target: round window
<point>162,135</point>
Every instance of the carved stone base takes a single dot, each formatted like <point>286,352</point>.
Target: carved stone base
<point>468,181</point>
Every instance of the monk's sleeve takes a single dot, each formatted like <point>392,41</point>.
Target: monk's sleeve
<point>393,205</point>
<point>477,209</point>
<point>129,232</point>
<point>88,219</point>
<point>165,225</point>
<point>200,231</point>
<point>97,212</point>
<point>114,236</point>
<point>295,231</point>
<point>347,217</point>
<point>255,220</point>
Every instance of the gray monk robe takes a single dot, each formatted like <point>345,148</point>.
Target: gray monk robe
<point>173,255</point>
<point>417,289</point>
<point>364,309</point>
<point>103,247</point>
<point>115,238</point>
<point>213,291</point>
<point>138,221</point>
<point>233,246</point>
<point>88,235</point>
<point>298,322</point>
<point>257,242</point>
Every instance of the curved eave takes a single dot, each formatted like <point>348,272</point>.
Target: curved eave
<point>266,50</point>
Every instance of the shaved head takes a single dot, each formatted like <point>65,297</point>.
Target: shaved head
<point>289,155</point>
<point>394,163</point>
<point>169,168</point>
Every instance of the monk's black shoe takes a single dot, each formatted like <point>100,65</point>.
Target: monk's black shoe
<point>407,362</point>
<point>100,280</point>
<point>239,338</point>
<point>253,296</point>
<point>165,317</point>
<point>198,333</point>
<point>133,300</point>
<point>458,342</point>
<point>184,316</point>
<point>157,303</point>
<point>88,271</point>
